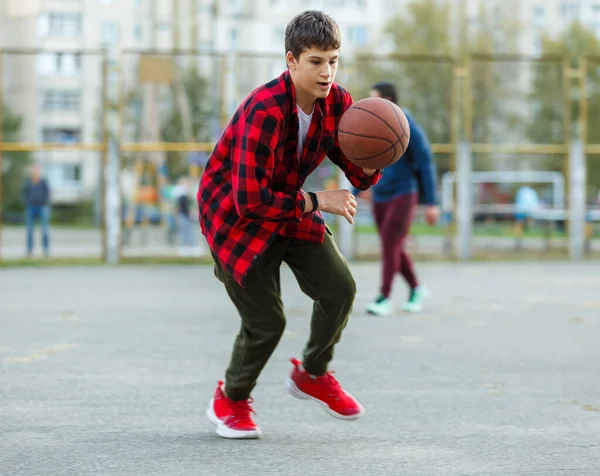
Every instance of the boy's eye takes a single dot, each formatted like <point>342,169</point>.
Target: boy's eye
<point>315,62</point>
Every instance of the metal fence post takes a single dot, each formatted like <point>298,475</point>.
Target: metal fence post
<point>577,199</point>
<point>112,202</point>
<point>345,235</point>
<point>464,208</point>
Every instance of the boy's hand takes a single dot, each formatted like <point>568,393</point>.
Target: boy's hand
<point>432,215</point>
<point>338,202</point>
<point>369,172</point>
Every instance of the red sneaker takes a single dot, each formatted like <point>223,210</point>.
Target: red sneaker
<point>326,390</point>
<point>233,418</point>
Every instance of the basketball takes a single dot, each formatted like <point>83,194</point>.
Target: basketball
<point>373,133</point>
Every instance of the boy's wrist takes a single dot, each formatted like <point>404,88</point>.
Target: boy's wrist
<point>308,204</point>
<point>314,200</point>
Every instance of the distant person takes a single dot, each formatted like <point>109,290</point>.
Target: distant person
<point>186,223</point>
<point>36,197</point>
<point>526,202</point>
<point>394,199</point>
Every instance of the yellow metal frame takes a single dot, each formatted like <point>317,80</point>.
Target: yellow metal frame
<point>461,108</point>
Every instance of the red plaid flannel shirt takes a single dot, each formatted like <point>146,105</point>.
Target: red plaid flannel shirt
<point>249,192</point>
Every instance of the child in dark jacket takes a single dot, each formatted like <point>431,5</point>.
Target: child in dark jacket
<point>394,199</point>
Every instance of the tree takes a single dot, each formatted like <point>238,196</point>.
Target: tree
<point>15,164</point>
<point>547,95</point>
<point>435,29</point>
<point>494,84</point>
<point>423,86</point>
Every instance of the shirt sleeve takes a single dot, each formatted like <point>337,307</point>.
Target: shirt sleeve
<point>353,172</point>
<point>253,163</point>
<point>420,150</point>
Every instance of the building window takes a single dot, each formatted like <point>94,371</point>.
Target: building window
<point>358,35</point>
<point>60,24</point>
<point>60,100</point>
<point>71,172</point>
<point>234,38</point>
<point>60,135</point>
<point>138,33</point>
<point>61,176</point>
<point>59,64</point>
<point>569,10</point>
<point>109,33</point>
<point>538,15</point>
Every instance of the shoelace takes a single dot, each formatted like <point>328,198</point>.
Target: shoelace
<point>328,380</point>
<point>242,411</point>
<point>335,389</point>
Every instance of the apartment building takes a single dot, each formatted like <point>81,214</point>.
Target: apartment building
<point>58,92</point>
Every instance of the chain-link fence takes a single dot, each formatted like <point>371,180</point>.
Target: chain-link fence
<point>519,115</point>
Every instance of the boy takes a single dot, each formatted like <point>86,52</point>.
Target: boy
<point>394,200</point>
<point>255,216</point>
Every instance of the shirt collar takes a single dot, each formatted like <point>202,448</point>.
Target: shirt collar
<point>320,106</point>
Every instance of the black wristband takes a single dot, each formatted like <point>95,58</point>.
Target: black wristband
<point>313,199</point>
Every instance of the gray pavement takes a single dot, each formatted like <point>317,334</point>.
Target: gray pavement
<point>107,371</point>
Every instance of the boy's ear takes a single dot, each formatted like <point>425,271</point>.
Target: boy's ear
<point>291,61</point>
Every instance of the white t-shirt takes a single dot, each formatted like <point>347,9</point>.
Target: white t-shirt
<point>303,125</point>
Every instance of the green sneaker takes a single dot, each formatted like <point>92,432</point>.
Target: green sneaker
<point>382,306</point>
<point>415,301</point>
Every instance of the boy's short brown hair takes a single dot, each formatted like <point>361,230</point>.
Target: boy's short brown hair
<point>312,28</point>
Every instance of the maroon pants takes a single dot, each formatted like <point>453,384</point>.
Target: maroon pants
<point>393,219</point>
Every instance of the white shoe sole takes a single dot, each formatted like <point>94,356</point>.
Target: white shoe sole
<point>224,431</point>
<point>375,312</point>
<point>417,307</point>
<point>294,391</point>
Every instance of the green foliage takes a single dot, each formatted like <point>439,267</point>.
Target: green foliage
<point>424,88</point>
<point>15,164</point>
<point>547,94</point>
<point>428,27</point>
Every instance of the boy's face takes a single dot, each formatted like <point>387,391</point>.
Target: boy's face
<point>313,72</point>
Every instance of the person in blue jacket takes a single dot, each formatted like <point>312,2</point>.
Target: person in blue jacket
<point>405,184</point>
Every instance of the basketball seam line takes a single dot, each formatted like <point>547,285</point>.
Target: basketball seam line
<point>392,146</point>
<point>384,122</point>
<point>401,127</point>
<point>356,134</point>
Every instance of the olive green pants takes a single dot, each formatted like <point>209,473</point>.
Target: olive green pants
<point>322,273</point>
